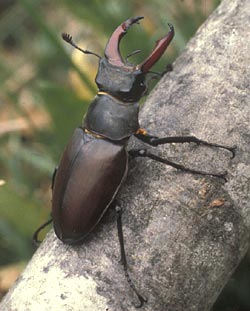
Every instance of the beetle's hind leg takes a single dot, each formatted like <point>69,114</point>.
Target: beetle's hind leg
<point>35,239</point>
<point>146,153</point>
<point>141,299</point>
<point>53,177</point>
<point>156,141</point>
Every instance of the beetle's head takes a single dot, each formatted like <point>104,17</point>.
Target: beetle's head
<point>123,81</point>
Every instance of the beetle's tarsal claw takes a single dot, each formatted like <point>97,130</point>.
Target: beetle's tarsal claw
<point>233,150</point>
<point>142,300</point>
<point>221,175</point>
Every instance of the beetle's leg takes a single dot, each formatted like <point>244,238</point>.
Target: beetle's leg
<point>155,141</point>
<point>35,240</point>
<point>124,259</point>
<point>53,177</point>
<point>36,233</point>
<point>154,75</point>
<point>158,75</point>
<point>146,153</point>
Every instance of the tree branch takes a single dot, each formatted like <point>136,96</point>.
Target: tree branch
<point>185,234</point>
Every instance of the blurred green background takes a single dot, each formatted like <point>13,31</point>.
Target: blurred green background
<point>46,87</point>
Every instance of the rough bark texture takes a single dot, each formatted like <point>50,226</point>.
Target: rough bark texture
<point>185,234</point>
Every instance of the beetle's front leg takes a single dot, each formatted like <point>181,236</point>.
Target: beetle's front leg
<point>158,75</point>
<point>156,141</point>
<point>146,153</point>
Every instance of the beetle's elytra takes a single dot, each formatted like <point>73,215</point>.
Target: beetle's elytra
<point>95,161</point>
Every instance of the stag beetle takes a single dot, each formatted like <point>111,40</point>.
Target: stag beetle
<point>95,161</point>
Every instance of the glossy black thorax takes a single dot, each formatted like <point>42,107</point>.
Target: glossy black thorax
<point>111,118</point>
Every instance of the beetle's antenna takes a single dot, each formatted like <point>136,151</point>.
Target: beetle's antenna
<point>68,38</point>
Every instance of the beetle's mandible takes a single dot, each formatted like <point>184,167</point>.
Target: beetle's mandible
<point>95,161</point>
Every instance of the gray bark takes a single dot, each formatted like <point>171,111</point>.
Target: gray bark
<point>185,234</point>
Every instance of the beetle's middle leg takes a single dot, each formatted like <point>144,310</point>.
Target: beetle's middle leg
<point>146,153</point>
<point>124,259</point>
<point>156,141</point>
